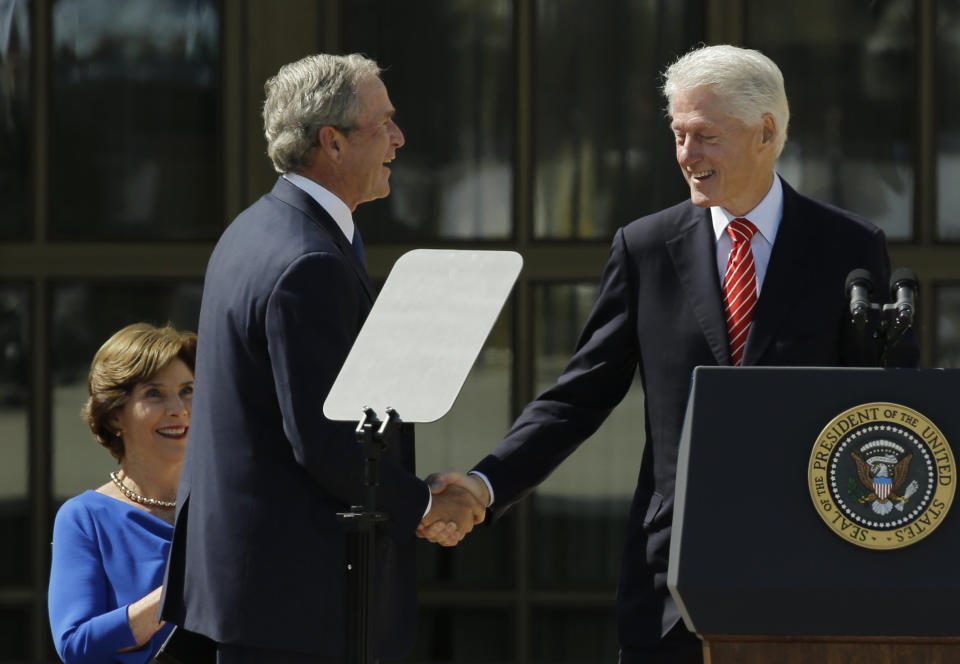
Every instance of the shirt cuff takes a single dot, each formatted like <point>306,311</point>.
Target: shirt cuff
<point>483,477</point>
<point>429,502</point>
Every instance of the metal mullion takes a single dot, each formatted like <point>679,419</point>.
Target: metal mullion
<point>925,205</point>
<point>578,599</point>
<point>95,259</point>
<point>231,113</point>
<point>331,26</point>
<point>38,431</point>
<point>726,21</point>
<point>40,80</point>
<point>524,45</point>
<point>40,467</point>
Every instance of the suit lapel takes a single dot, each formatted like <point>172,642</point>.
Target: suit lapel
<point>693,252</point>
<point>301,200</point>
<point>792,248</point>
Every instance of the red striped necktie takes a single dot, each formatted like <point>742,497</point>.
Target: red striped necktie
<point>739,287</point>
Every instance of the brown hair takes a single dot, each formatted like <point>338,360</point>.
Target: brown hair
<point>131,356</point>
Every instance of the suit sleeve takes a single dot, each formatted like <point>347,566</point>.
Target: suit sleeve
<point>596,379</point>
<point>313,316</point>
<point>84,629</point>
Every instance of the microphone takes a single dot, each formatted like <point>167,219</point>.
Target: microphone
<point>858,289</point>
<point>903,290</point>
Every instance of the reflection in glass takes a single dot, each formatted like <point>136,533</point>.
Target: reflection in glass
<point>84,316</point>
<point>574,636</point>
<point>463,635</point>
<point>14,415</point>
<point>849,70</point>
<point>947,353</point>
<point>948,120</point>
<point>580,512</point>
<point>134,119</point>
<point>449,72</point>
<point>604,154</point>
<point>14,119</point>
<point>479,418</point>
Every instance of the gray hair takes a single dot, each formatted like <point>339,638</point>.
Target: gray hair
<point>749,82</point>
<point>308,94</point>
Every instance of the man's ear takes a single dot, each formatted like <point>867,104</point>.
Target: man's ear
<point>769,132</point>
<point>331,142</point>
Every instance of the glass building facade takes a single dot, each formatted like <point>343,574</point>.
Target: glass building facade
<point>130,136</point>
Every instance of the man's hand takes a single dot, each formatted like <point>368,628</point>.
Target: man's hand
<point>455,510</point>
<point>440,481</point>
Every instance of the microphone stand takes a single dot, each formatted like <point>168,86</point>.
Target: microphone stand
<point>360,555</point>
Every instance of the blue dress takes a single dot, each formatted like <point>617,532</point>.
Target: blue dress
<point>107,554</point>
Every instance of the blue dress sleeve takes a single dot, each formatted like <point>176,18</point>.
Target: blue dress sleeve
<point>84,628</point>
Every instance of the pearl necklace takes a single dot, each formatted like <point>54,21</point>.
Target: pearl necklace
<point>137,498</point>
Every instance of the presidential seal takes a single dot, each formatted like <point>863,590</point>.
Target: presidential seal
<point>881,476</point>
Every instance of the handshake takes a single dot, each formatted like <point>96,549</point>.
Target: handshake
<point>459,503</point>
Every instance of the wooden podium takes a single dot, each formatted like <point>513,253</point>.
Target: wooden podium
<point>755,568</point>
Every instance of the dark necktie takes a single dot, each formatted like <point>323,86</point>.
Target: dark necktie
<point>739,287</point>
<point>358,246</point>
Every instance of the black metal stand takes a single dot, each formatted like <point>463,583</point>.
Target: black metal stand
<point>882,327</point>
<point>360,555</point>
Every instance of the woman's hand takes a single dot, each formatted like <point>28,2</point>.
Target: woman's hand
<point>142,616</point>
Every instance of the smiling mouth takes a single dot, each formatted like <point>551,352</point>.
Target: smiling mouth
<point>702,175</point>
<point>173,432</point>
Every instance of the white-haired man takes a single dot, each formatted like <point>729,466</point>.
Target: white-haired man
<point>745,272</point>
<point>257,559</point>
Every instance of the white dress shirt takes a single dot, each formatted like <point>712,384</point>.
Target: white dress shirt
<point>329,201</point>
<point>765,216</point>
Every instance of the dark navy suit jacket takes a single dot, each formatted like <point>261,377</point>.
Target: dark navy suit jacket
<point>257,555</point>
<point>660,313</point>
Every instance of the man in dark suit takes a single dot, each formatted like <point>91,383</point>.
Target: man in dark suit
<point>257,560</point>
<point>693,285</point>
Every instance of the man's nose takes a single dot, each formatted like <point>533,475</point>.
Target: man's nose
<point>398,139</point>
<point>687,152</point>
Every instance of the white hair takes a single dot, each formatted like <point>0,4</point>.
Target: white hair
<point>749,83</point>
<point>317,91</point>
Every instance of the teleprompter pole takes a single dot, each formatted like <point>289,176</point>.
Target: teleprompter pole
<point>374,436</point>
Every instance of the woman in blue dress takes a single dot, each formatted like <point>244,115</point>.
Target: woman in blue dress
<point>110,545</point>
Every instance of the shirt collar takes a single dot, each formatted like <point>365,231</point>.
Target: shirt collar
<point>329,201</point>
<point>765,216</point>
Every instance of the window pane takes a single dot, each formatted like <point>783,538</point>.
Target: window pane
<point>14,119</point>
<point>14,416</point>
<point>604,153</point>
<point>580,512</point>
<point>849,69</point>
<point>84,316</point>
<point>462,635</point>
<point>133,121</point>
<point>449,73</point>
<point>947,300</point>
<point>479,418</point>
<point>575,636</point>
<point>948,100</point>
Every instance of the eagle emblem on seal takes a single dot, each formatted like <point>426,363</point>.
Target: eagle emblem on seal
<point>883,475</point>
